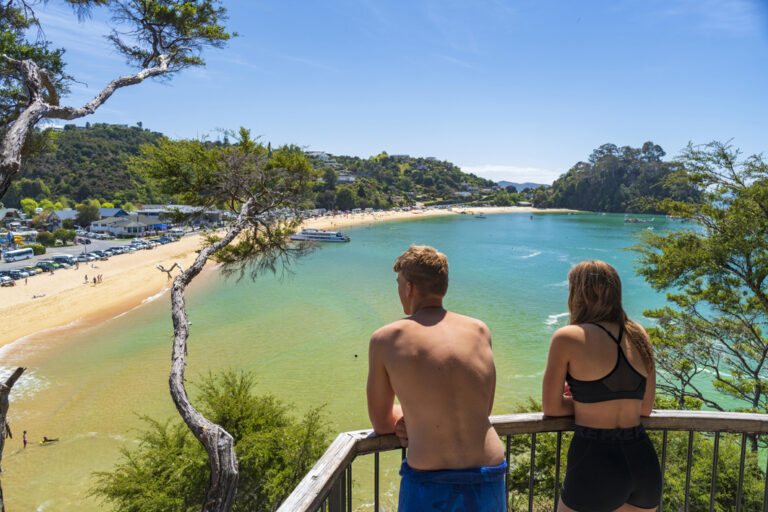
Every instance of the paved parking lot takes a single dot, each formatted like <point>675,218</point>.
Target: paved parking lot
<point>95,245</point>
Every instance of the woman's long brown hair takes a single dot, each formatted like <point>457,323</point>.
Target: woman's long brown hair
<point>595,296</point>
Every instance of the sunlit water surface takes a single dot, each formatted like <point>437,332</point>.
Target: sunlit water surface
<point>304,335</point>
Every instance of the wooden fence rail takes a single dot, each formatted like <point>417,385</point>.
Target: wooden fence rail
<point>328,485</point>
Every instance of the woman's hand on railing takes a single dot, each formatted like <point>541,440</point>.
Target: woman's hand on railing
<point>401,432</point>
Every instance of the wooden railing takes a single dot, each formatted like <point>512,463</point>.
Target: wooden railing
<point>328,485</point>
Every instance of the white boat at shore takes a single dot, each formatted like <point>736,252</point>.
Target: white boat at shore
<point>320,235</point>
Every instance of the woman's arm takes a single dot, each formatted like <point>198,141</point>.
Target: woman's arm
<point>553,400</point>
<point>650,395</point>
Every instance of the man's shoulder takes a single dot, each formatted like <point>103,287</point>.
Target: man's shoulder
<point>469,321</point>
<point>390,331</point>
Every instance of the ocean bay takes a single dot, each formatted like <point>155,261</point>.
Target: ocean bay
<point>300,335</point>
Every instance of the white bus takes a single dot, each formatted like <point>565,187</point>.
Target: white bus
<point>18,254</point>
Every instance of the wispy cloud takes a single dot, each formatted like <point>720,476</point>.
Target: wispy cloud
<point>62,28</point>
<point>513,173</point>
<point>736,17</point>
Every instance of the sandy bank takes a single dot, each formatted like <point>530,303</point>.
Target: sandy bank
<point>130,279</point>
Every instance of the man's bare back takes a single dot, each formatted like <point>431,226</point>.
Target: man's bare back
<point>440,366</point>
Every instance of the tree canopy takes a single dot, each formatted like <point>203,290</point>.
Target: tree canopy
<point>714,272</point>
<point>157,38</point>
<point>619,180</point>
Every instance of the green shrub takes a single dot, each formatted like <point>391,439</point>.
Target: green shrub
<point>37,248</point>
<point>46,238</point>
<point>169,468</point>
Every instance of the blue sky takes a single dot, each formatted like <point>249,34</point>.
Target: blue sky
<point>506,89</point>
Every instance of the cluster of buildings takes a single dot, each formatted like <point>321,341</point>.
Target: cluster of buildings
<point>120,223</point>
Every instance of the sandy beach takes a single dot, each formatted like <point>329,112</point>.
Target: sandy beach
<point>131,279</point>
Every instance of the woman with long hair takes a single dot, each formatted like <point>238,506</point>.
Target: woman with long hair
<point>601,370</point>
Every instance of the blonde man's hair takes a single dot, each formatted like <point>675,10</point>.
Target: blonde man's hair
<point>424,267</point>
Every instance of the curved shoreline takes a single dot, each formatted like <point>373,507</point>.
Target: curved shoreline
<point>130,279</point>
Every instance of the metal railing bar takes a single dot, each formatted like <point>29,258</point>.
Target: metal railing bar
<point>557,469</point>
<point>349,488</point>
<point>376,482</point>
<point>741,471</point>
<point>713,485</point>
<point>506,475</point>
<point>533,467</point>
<point>765,491</point>
<point>663,467</point>
<point>688,472</point>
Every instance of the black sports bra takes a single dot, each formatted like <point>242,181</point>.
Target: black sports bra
<point>622,382</point>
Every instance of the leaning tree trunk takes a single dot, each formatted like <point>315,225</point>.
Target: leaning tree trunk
<point>218,443</point>
<point>5,390</point>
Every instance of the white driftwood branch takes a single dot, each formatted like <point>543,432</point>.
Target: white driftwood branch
<point>38,82</point>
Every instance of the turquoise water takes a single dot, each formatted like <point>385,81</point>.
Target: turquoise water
<point>304,334</point>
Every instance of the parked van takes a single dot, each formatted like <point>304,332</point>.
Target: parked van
<point>176,232</point>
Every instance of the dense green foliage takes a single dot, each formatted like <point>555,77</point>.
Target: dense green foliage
<point>37,248</point>
<point>15,29</point>
<point>715,274</point>
<point>383,181</point>
<point>618,180</point>
<point>674,475</point>
<point>168,471</point>
<point>87,162</point>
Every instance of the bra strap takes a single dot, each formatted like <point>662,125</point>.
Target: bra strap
<point>621,332</point>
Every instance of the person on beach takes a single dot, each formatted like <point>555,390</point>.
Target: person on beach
<point>24,438</point>
<point>601,370</point>
<point>441,365</point>
<point>86,278</point>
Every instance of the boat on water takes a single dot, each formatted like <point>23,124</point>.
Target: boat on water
<point>636,220</point>
<point>320,235</point>
<point>480,216</point>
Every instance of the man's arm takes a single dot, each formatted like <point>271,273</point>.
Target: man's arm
<point>382,410</point>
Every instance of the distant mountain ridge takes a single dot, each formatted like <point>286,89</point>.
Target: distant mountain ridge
<point>521,186</point>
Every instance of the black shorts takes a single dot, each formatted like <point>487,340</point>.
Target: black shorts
<point>610,467</point>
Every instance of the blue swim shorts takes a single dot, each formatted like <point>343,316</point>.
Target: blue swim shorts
<point>453,490</point>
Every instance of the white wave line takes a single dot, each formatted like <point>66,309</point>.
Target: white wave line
<point>553,319</point>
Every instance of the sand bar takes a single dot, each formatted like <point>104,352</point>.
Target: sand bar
<point>130,279</point>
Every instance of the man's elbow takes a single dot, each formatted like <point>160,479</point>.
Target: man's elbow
<point>382,425</point>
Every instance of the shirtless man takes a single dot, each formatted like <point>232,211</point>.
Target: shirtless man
<point>440,366</point>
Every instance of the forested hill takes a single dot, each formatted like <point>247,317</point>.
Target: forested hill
<point>87,162</point>
<point>390,180</point>
<point>91,162</point>
<point>618,179</point>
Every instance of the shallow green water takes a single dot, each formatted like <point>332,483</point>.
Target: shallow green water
<point>300,334</point>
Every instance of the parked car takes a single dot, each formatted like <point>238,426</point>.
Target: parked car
<point>97,255</point>
<point>85,257</point>
<point>6,281</point>
<point>16,275</point>
<point>45,265</point>
<point>32,271</point>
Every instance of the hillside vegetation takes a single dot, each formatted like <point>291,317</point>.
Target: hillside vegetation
<point>620,180</point>
<point>84,163</point>
<point>92,163</point>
